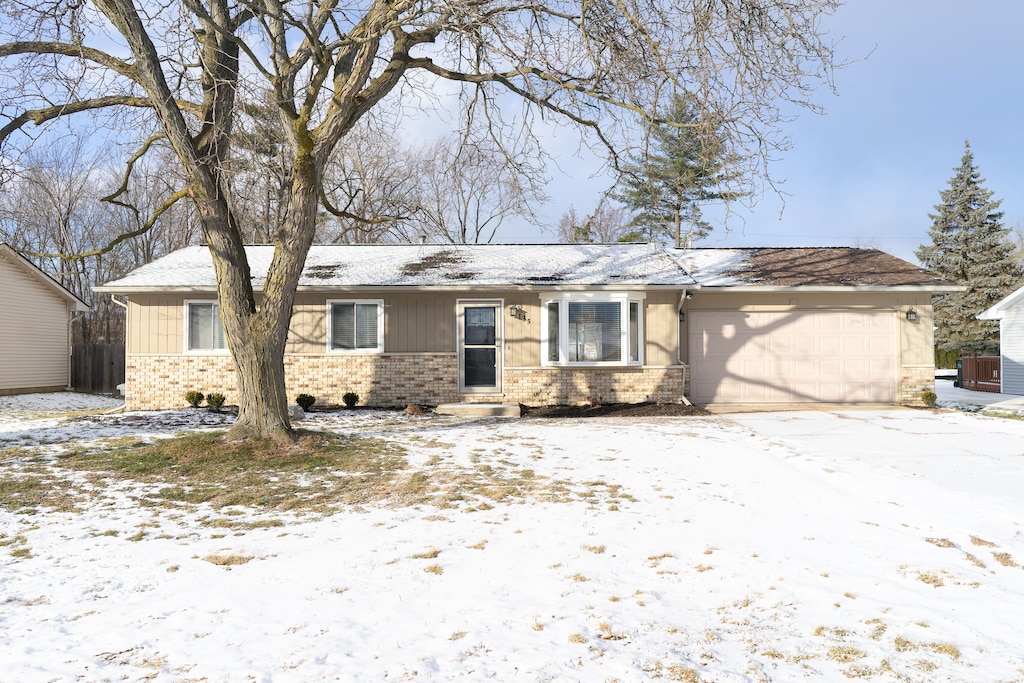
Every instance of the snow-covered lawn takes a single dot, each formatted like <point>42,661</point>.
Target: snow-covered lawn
<point>882,544</point>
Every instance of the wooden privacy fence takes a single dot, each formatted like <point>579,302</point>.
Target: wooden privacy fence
<point>981,373</point>
<point>97,368</point>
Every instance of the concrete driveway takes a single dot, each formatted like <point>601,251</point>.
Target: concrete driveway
<point>950,395</point>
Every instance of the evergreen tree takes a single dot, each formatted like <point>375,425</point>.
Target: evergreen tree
<point>684,166</point>
<point>971,247</point>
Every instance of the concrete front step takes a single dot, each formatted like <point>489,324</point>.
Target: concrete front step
<point>479,409</point>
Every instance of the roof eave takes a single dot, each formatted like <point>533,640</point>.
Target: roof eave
<point>932,289</point>
<point>312,289</point>
<point>998,310</point>
<point>77,304</point>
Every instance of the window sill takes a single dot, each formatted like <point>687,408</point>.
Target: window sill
<point>616,364</point>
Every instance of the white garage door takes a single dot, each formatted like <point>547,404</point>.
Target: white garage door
<point>793,357</point>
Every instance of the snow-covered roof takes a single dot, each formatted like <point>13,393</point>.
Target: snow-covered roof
<point>457,266</point>
<point>548,265</point>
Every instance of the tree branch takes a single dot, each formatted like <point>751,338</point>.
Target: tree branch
<point>41,116</point>
<point>69,50</point>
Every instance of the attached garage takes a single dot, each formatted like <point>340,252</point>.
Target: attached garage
<point>795,356</point>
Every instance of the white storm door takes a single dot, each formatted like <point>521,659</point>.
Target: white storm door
<point>480,345</point>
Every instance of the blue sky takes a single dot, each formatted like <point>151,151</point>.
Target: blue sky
<point>869,171</point>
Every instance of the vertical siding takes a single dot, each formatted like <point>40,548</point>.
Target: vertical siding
<point>1011,342</point>
<point>419,323</point>
<point>661,328</point>
<point>33,332</point>
<point>308,330</point>
<point>522,337</point>
<point>917,339</point>
<point>413,323</point>
<point>156,323</point>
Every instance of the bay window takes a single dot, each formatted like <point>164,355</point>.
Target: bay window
<point>592,328</point>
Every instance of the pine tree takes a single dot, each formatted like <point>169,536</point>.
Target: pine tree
<point>971,247</point>
<point>683,168</point>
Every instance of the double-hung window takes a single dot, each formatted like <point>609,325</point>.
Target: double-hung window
<point>355,326</point>
<point>601,328</point>
<point>204,331</point>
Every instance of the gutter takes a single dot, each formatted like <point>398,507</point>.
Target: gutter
<point>824,289</point>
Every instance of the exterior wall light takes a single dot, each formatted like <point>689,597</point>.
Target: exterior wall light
<point>911,315</point>
<point>517,312</point>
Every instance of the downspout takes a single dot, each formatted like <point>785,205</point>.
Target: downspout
<point>124,305</point>
<point>71,320</point>
<point>680,313</point>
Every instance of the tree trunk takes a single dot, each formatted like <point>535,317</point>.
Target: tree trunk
<point>258,335</point>
<point>263,402</point>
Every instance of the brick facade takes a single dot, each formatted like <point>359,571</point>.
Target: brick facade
<point>558,386</point>
<point>158,382</point>
<point>913,380</point>
<point>389,380</point>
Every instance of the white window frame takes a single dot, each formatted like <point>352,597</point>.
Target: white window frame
<point>624,299</point>
<point>379,303</point>
<point>188,332</point>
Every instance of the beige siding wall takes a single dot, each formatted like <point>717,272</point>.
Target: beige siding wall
<point>662,329</point>
<point>33,332</point>
<point>413,323</point>
<point>156,323</point>
<point>915,349</point>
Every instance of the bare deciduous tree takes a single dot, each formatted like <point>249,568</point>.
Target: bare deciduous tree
<point>373,178</point>
<point>185,65</point>
<point>607,223</point>
<point>468,188</point>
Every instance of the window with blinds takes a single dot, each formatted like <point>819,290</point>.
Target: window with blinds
<point>205,329</point>
<point>356,326</point>
<point>592,328</point>
<point>553,328</point>
<point>595,331</point>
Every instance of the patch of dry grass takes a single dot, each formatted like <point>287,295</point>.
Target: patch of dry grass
<point>845,654</point>
<point>319,472</point>
<point>1005,559</point>
<point>25,490</point>
<point>678,672</point>
<point>227,560</point>
<point>944,649</point>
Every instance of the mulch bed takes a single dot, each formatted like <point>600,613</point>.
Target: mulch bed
<point>615,410</point>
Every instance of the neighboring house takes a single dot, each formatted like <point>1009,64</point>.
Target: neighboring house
<point>553,324</point>
<point>35,330</point>
<point>1010,314</point>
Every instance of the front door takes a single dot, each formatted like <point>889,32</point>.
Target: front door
<point>480,345</point>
